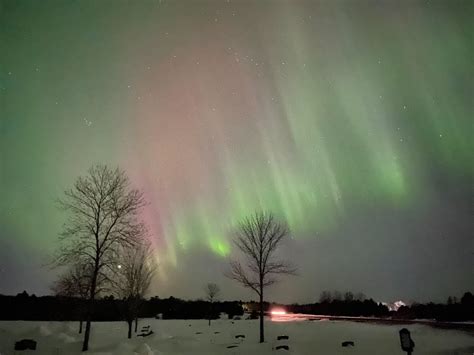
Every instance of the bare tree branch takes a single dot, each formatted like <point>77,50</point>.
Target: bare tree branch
<point>258,238</point>
<point>102,220</point>
<point>212,292</point>
<point>135,275</point>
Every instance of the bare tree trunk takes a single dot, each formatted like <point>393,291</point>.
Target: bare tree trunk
<point>80,326</point>
<point>262,335</point>
<point>258,238</point>
<point>130,329</point>
<point>210,313</point>
<point>85,344</point>
<point>136,324</point>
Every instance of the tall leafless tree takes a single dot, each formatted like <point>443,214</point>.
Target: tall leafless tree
<point>258,237</point>
<point>74,283</point>
<point>136,272</point>
<point>103,219</point>
<point>212,292</point>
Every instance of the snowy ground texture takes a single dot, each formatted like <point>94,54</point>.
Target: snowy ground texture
<point>188,337</point>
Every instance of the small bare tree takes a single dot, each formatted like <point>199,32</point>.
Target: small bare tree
<point>136,272</point>
<point>74,283</point>
<point>103,219</point>
<point>212,292</point>
<point>258,238</point>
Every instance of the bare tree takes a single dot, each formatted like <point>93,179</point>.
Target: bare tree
<point>348,296</point>
<point>136,272</point>
<point>326,296</point>
<point>337,296</point>
<point>258,237</point>
<point>103,219</point>
<point>212,292</point>
<point>74,283</point>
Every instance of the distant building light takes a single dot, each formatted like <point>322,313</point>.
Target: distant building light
<point>396,305</point>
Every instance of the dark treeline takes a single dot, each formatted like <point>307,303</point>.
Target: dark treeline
<point>31,307</point>
<point>339,304</point>
<point>348,304</point>
<point>453,310</point>
<point>354,308</point>
<point>55,308</point>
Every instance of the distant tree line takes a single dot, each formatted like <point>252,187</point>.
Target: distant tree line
<point>343,304</point>
<point>58,308</point>
<point>453,310</point>
<point>348,304</point>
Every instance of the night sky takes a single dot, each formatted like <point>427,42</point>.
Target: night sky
<point>351,120</point>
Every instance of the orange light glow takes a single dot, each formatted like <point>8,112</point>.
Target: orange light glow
<point>278,312</point>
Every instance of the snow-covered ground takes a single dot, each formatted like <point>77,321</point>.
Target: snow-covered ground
<point>196,337</point>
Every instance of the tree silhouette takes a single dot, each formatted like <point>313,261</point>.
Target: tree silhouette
<point>74,283</point>
<point>135,275</point>
<point>258,238</point>
<point>103,212</point>
<point>212,291</point>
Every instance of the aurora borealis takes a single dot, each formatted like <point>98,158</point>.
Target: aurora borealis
<point>352,120</point>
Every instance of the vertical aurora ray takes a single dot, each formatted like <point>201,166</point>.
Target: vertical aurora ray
<point>305,127</point>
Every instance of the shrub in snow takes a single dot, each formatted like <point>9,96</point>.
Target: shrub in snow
<point>347,343</point>
<point>25,344</point>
